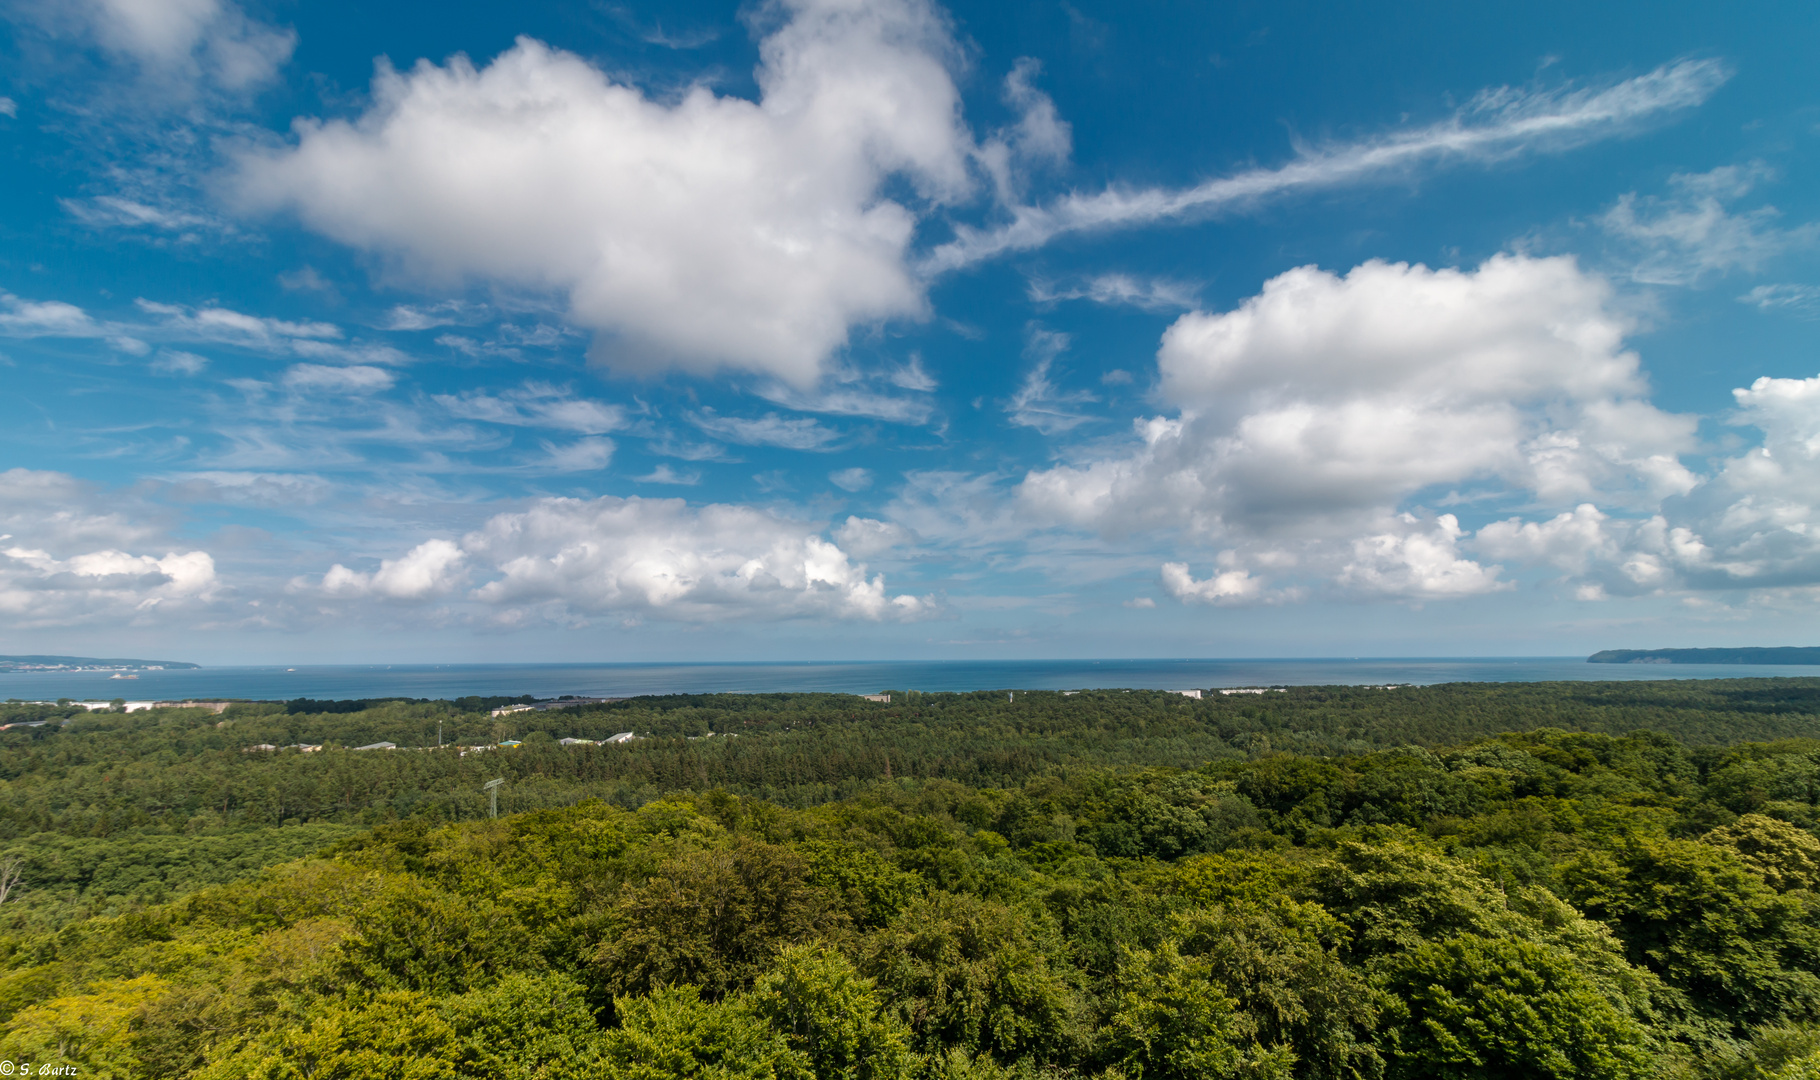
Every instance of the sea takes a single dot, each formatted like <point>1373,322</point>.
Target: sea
<point>634,679</point>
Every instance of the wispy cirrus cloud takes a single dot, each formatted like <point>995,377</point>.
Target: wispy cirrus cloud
<point>1497,123</point>
<point>537,405</point>
<point>1689,234</point>
<point>1147,294</point>
<point>1801,300</point>
<point>1039,403</point>
<point>770,429</point>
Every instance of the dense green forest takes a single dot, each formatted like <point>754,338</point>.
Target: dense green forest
<point>1546,880</point>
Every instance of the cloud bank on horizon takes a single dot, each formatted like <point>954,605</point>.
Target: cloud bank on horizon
<point>881,328</point>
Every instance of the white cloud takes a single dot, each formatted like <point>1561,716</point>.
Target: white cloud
<point>178,362</point>
<point>1690,234</point>
<point>1746,527</point>
<point>1572,540</point>
<point>446,313</point>
<point>1410,563</point>
<point>67,556</point>
<point>1803,300</point>
<point>318,378</point>
<point>664,474</point>
<point>179,41</point>
<point>660,557</point>
<point>37,589</point>
<point>537,405</point>
<point>1312,414</point>
<point>866,537</point>
<point>252,488</point>
<point>1038,403</point>
<point>45,318</point>
<point>848,401</point>
<point>56,511</point>
<point>307,279</point>
<point>1224,587</point>
<point>117,211</point>
<point>854,479</point>
<point>1147,294</point>
<point>768,430</point>
<point>582,455</point>
<point>432,568</point>
<point>233,327</point>
<point>712,232</point>
<point>1496,124</point>
<point>1040,137</point>
<point>8,107</point>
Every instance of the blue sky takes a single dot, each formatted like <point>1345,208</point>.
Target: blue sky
<point>833,329</point>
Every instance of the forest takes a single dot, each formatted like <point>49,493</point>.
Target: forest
<point>1469,880</point>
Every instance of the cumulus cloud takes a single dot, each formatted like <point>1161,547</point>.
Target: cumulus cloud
<point>1418,564</point>
<point>38,589</point>
<point>1745,527</point>
<point>1311,415</point>
<point>706,233</point>
<point>662,558</point>
<point>1227,586</point>
<point>429,570</point>
<point>68,557</point>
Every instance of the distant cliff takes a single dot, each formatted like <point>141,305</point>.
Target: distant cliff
<point>1783,655</point>
<point>85,663</point>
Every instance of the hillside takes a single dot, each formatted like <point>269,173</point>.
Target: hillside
<point>87,663</point>
<point>1780,655</point>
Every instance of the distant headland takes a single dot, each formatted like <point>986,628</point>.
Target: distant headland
<point>1783,655</point>
<point>87,663</point>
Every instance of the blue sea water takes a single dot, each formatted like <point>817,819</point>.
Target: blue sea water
<point>627,680</point>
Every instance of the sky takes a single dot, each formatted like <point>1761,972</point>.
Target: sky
<point>880,329</point>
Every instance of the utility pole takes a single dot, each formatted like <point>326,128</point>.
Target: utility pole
<point>439,734</point>
<point>492,789</point>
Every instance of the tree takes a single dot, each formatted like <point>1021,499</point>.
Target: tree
<point>832,1016</point>
<point>12,868</point>
<point>977,974</point>
<point>714,919</point>
<point>1474,1008</point>
<point>1170,1020</point>
<point>673,1034</point>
